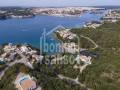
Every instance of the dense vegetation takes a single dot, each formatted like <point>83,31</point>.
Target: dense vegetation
<point>7,81</point>
<point>104,73</point>
<point>46,76</point>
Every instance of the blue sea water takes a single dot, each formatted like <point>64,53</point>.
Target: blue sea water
<point>31,29</point>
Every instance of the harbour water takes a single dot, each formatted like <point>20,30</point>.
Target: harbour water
<point>30,30</point>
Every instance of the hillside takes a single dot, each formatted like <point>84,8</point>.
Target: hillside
<point>102,74</point>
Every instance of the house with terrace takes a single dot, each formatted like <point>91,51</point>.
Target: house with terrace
<point>93,24</point>
<point>70,47</point>
<point>66,34</point>
<point>83,59</point>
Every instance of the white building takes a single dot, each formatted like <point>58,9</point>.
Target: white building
<point>24,49</point>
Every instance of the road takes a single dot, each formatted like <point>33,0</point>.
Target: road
<point>96,46</point>
<point>76,81</point>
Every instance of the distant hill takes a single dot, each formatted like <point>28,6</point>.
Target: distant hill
<point>108,7</point>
